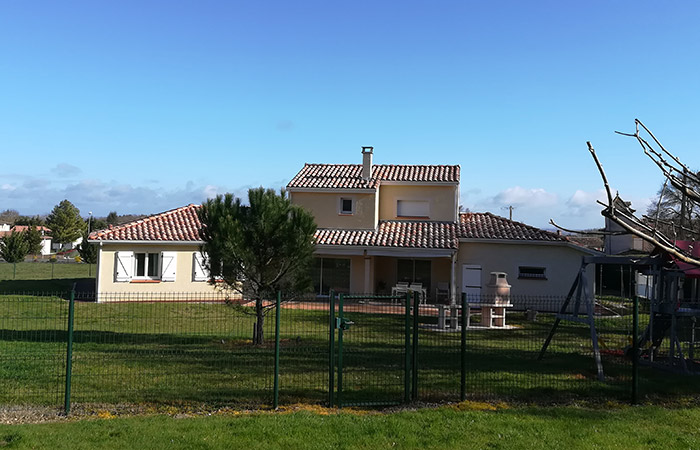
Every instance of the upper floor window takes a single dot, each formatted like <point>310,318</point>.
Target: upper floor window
<point>346,206</point>
<point>412,208</point>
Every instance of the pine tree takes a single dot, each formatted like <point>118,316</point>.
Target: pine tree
<point>87,251</point>
<point>258,249</point>
<point>33,237</point>
<point>14,248</point>
<point>65,223</point>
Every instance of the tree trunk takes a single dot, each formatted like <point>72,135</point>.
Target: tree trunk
<point>258,338</point>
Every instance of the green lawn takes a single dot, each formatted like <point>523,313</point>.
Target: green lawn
<point>445,427</point>
<point>42,276</point>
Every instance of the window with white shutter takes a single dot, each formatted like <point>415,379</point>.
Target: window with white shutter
<point>123,266</point>
<point>168,265</point>
<point>199,272</point>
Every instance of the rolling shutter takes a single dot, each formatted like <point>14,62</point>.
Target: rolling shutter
<point>199,272</point>
<point>123,266</point>
<point>168,265</point>
<point>411,208</point>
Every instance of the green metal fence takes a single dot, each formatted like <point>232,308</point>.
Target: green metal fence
<point>190,349</point>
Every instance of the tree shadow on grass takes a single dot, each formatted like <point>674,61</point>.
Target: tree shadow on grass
<point>58,287</point>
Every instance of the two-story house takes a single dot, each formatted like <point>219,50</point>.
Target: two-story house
<point>380,225</point>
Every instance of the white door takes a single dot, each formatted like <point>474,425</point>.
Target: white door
<point>471,281</point>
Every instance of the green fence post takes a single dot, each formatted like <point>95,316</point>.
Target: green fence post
<point>463,351</point>
<point>331,350</point>
<point>635,350</point>
<point>69,352</point>
<point>407,349</point>
<point>414,379</point>
<point>276,387</point>
<point>339,397</point>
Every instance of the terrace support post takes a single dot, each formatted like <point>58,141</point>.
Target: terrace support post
<point>69,352</point>
<point>276,384</point>
<point>407,351</point>
<point>414,379</point>
<point>331,350</point>
<point>635,351</point>
<point>463,351</point>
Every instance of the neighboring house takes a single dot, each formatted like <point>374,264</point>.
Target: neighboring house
<point>624,243</point>
<point>158,255</point>
<point>384,224</point>
<point>45,235</point>
<point>68,246</point>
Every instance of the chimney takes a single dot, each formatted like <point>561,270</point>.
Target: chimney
<point>367,162</point>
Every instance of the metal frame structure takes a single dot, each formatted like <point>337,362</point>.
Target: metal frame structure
<point>580,288</point>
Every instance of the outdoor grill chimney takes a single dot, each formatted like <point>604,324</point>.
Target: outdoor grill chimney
<point>367,162</point>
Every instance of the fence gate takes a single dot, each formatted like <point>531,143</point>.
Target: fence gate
<point>370,350</point>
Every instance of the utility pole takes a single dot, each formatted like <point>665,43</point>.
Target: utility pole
<point>510,209</point>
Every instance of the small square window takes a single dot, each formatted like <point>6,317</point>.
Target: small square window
<point>346,206</point>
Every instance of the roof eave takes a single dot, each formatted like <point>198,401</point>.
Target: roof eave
<point>128,241</point>
<point>331,190</point>
<point>530,242</point>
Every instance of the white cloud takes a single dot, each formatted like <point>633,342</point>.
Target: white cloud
<point>211,191</point>
<point>66,170</point>
<point>521,197</point>
<point>583,203</point>
<point>36,197</point>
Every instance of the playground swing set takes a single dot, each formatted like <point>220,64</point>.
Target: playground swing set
<point>672,317</point>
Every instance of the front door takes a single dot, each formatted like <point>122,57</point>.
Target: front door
<point>471,281</point>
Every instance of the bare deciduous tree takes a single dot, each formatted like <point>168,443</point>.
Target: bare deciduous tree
<point>683,181</point>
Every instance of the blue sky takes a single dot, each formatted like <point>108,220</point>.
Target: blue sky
<point>143,106</point>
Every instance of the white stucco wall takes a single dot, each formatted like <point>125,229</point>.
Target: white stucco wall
<point>108,288</point>
<point>562,264</point>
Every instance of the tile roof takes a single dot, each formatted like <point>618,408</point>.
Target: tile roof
<point>490,226</point>
<point>394,233</point>
<point>349,176</point>
<point>181,224</point>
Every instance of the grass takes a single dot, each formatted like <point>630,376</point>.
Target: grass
<point>468,425</point>
<point>43,276</point>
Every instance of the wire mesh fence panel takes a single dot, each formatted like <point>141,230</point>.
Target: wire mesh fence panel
<point>189,348</point>
<point>177,349</point>
<point>504,361</point>
<point>439,353</point>
<point>304,347</point>
<point>32,348</point>
<point>669,352</point>
<point>372,351</point>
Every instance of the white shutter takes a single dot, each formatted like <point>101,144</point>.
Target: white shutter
<point>168,266</point>
<point>123,266</point>
<point>411,208</point>
<point>199,272</point>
